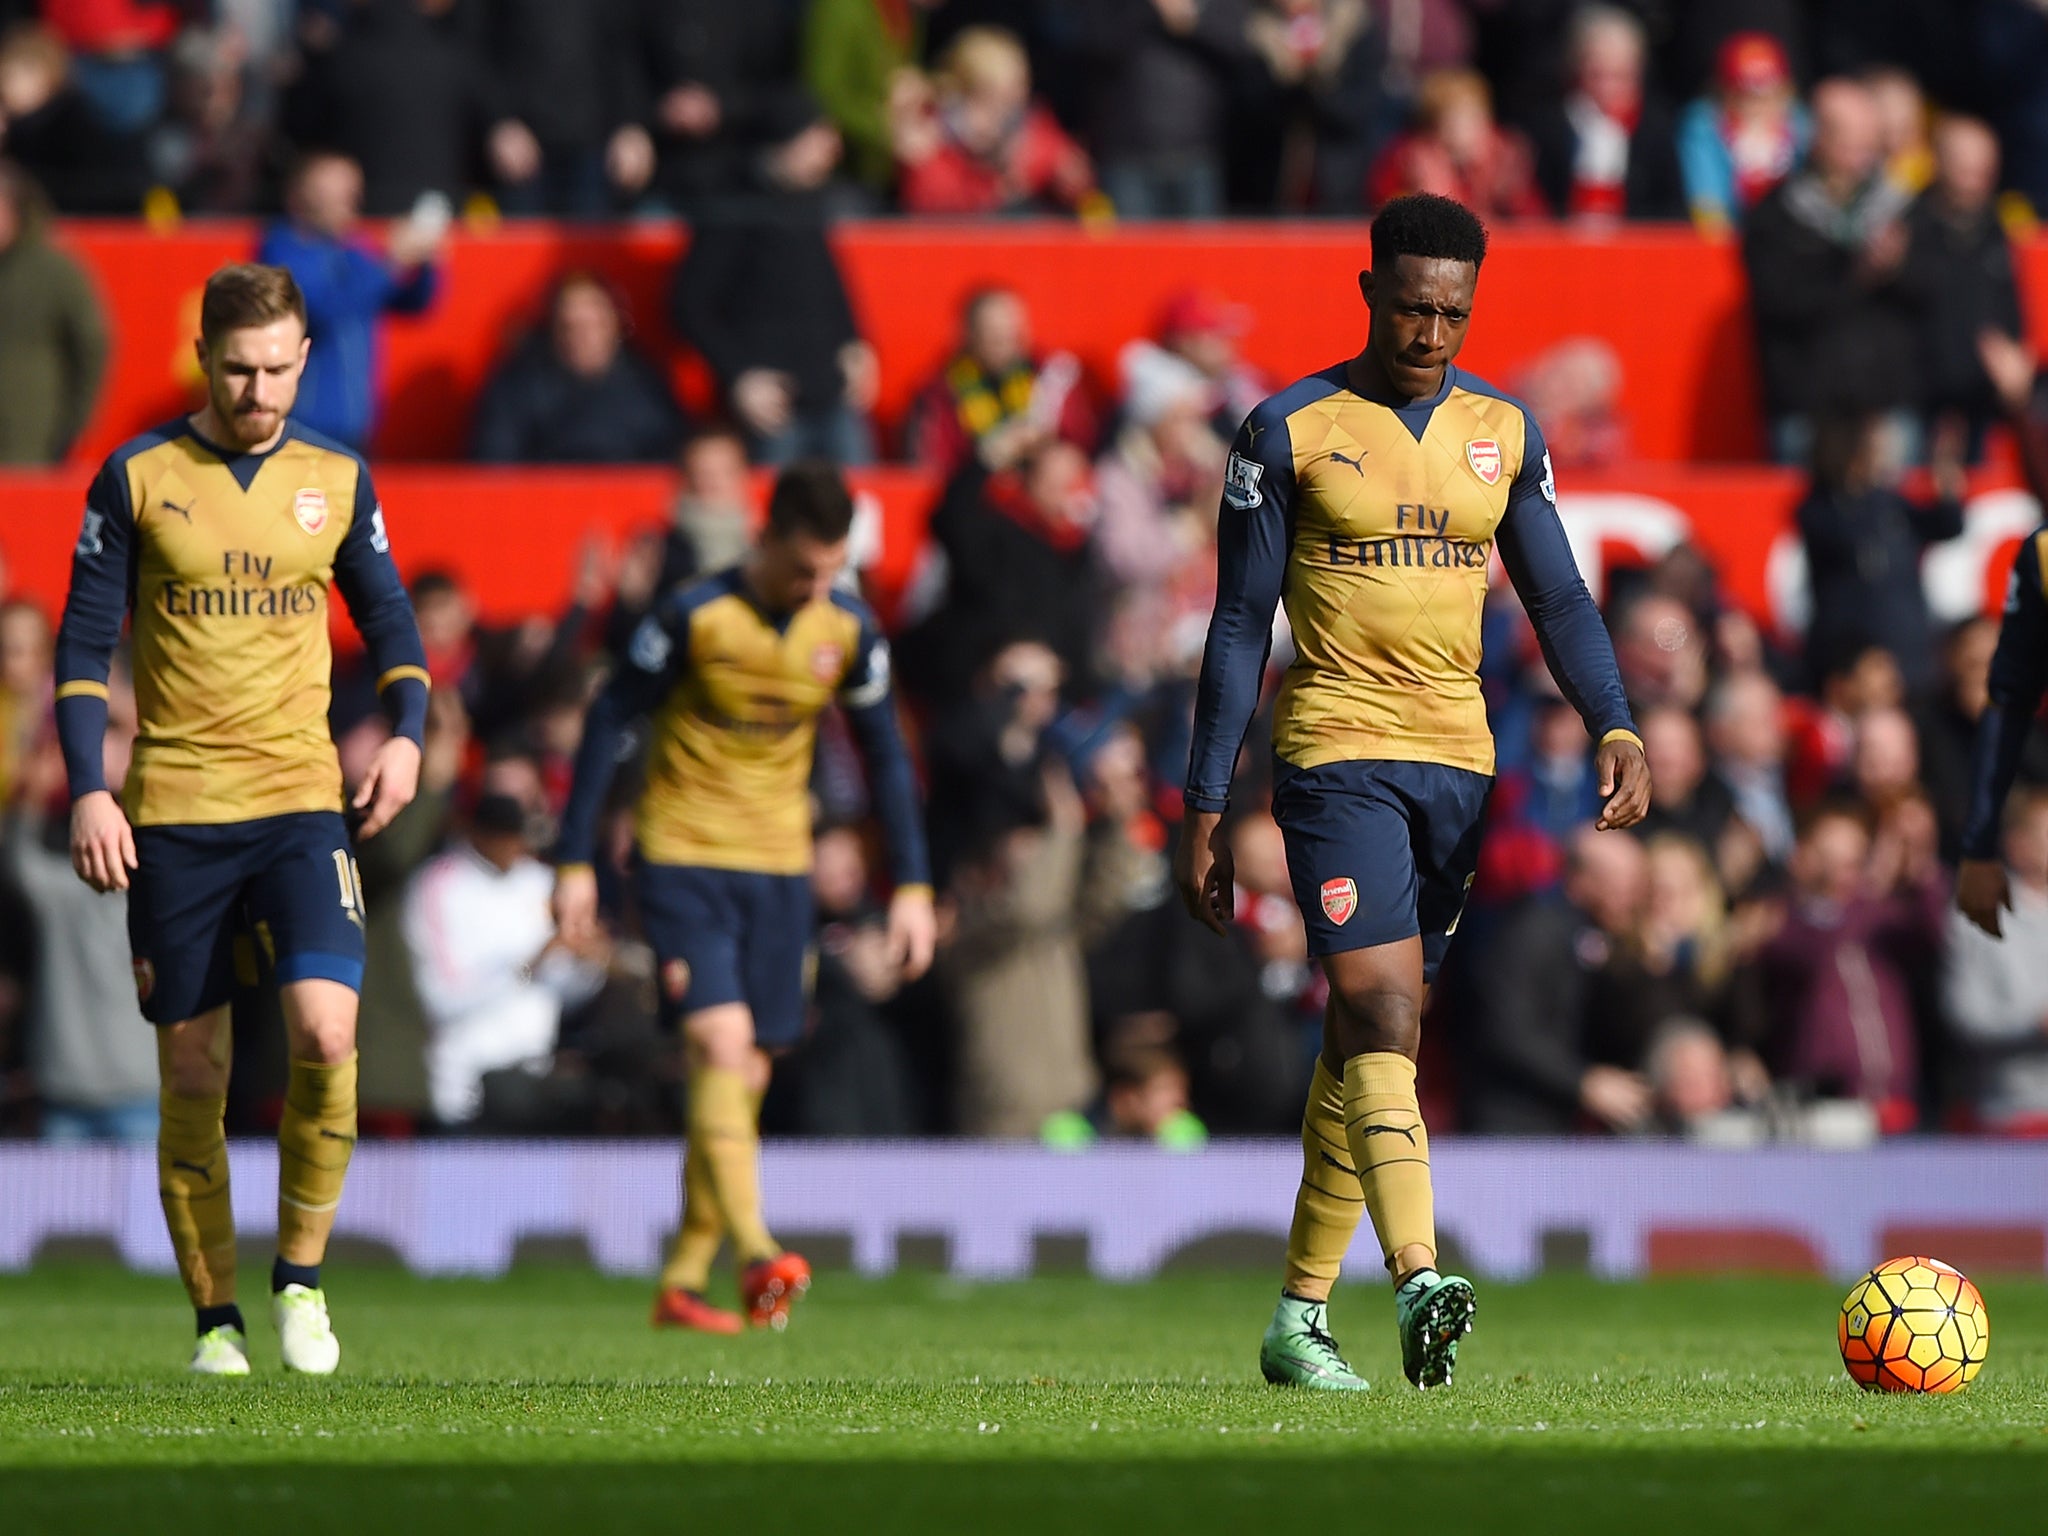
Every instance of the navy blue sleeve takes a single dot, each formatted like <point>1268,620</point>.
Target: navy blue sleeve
<point>1538,557</point>
<point>2019,676</point>
<point>377,601</point>
<point>102,585</point>
<point>870,704</point>
<point>1254,528</point>
<point>659,647</point>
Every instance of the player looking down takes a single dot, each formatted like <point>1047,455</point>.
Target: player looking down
<point>221,534</point>
<point>1370,499</point>
<point>735,671</point>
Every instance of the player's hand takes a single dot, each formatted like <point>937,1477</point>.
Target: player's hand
<point>1982,892</point>
<point>1624,785</point>
<point>1204,870</point>
<point>913,931</point>
<point>388,788</point>
<point>575,903</point>
<point>102,842</point>
<point>1617,1099</point>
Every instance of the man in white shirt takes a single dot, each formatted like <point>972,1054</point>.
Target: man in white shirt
<point>1996,990</point>
<point>493,978</point>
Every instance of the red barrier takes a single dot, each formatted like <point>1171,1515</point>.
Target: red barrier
<point>513,534</point>
<point>1669,303</point>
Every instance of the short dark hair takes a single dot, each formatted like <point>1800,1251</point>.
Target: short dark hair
<point>248,294</point>
<point>811,498</point>
<point>1423,224</point>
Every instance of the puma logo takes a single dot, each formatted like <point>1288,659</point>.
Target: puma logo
<point>1388,1130</point>
<point>1251,435</point>
<point>1345,458</point>
<point>204,1170</point>
<point>337,1136</point>
<point>185,511</point>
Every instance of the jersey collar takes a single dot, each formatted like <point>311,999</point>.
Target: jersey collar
<point>240,463</point>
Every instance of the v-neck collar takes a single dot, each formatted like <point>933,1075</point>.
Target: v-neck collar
<point>1416,413</point>
<point>240,463</point>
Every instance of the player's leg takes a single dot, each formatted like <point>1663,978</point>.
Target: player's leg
<point>776,966</point>
<point>306,900</point>
<point>692,922</point>
<point>180,908</point>
<point>192,1176</point>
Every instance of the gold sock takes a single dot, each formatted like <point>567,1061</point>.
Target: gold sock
<point>1390,1148</point>
<point>314,1140</point>
<point>703,1229</point>
<point>192,1175</point>
<point>723,1123</point>
<point>1330,1200</point>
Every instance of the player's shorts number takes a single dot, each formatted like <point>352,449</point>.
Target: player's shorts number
<point>351,881</point>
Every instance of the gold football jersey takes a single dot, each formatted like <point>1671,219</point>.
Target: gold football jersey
<point>224,561</point>
<point>1376,526</point>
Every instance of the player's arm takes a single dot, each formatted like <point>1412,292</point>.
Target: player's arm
<point>1254,528</point>
<point>2019,677</point>
<point>639,682</point>
<point>377,601</point>
<point>1574,638</point>
<point>870,706</point>
<point>102,583</point>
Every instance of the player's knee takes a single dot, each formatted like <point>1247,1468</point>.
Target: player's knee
<point>1370,1016</point>
<point>723,1038</point>
<point>189,1067</point>
<point>320,1018</point>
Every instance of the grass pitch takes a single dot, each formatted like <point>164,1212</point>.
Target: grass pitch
<point>544,1403</point>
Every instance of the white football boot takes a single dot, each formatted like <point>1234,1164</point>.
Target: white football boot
<point>221,1351</point>
<point>305,1338</point>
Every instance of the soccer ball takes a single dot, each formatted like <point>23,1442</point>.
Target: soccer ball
<point>1914,1325</point>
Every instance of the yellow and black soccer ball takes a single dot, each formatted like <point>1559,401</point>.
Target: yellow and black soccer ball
<point>1914,1325</point>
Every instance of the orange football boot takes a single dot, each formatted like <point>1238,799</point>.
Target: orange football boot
<point>678,1308</point>
<point>770,1287</point>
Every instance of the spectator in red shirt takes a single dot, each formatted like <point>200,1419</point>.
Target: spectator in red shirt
<point>974,141</point>
<point>1456,150</point>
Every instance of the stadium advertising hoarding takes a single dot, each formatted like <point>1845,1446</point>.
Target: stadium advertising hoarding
<point>995,1211</point>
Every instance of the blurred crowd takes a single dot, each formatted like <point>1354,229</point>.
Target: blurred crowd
<point>1776,956</point>
<point>1138,108</point>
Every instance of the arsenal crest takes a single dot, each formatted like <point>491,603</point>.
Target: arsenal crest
<point>1340,900</point>
<point>1483,454</point>
<point>309,507</point>
<point>827,662</point>
<point>145,979</point>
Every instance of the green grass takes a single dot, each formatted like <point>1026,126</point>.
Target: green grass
<point>544,1403</point>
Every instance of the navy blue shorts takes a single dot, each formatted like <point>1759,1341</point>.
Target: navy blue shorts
<point>288,881</point>
<point>1380,851</point>
<point>730,936</point>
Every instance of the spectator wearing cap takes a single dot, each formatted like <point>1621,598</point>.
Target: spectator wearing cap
<point>1160,76</point>
<point>574,392</point>
<point>349,289</point>
<point>1607,150</point>
<point>997,399</point>
<point>1739,142</point>
<point>1204,329</point>
<point>978,141</point>
<point>1457,150</point>
<point>760,295</point>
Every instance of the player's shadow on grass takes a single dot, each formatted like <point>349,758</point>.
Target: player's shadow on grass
<point>1268,1484</point>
